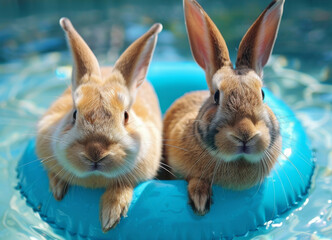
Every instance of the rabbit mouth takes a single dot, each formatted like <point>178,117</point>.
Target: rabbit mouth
<point>107,168</point>
<point>253,157</point>
<point>246,156</point>
<point>230,151</point>
<point>96,168</point>
<point>248,153</point>
<point>244,149</point>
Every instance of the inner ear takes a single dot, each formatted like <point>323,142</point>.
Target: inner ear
<point>134,62</point>
<point>85,62</point>
<point>207,45</point>
<point>257,44</point>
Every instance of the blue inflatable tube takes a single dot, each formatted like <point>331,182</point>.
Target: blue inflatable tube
<point>160,209</point>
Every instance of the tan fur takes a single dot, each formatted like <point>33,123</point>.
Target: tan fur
<point>190,158</point>
<point>233,140</point>
<point>125,152</point>
<point>146,107</point>
<point>115,204</point>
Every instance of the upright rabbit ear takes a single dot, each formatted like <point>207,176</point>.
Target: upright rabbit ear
<point>257,44</point>
<point>134,62</point>
<point>207,44</point>
<point>85,62</point>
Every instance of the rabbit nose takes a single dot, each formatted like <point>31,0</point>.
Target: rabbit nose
<point>95,151</point>
<point>245,139</point>
<point>237,139</point>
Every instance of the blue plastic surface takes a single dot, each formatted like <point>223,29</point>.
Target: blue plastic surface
<point>160,209</point>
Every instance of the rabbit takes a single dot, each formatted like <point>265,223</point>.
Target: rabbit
<point>105,130</point>
<point>228,135</point>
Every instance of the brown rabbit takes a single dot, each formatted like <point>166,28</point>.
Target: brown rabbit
<point>228,135</point>
<point>105,130</point>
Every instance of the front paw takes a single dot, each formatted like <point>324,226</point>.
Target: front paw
<point>200,195</point>
<point>114,204</point>
<point>58,186</point>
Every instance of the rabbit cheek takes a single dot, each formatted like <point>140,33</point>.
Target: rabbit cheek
<point>205,127</point>
<point>77,166</point>
<point>115,164</point>
<point>264,139</point>
<point>209,115</point>
<point>223,144</point>
<point>67,127</point>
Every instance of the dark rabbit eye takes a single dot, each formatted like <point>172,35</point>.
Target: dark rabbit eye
<point>74,115</point>
<point>126,117</point>
<point>263,94</point>
<point>216,97</point>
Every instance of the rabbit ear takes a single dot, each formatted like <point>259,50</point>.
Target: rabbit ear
<point>207,44</point>
<point>257,44</point>
<point>134,62</point>
<point>85,62</point>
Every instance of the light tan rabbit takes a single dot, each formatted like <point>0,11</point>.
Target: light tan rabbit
<point>228,135</point>
<point>105,130</point>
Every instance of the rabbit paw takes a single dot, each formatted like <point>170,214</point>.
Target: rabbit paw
<point>114,204</point>
<point>200,195</point>
<point>58,186</point>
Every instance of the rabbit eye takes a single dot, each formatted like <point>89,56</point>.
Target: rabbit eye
<point>126,117</point>
<point>263,94</point>
<point>217,97</point>
<point>74,115</point>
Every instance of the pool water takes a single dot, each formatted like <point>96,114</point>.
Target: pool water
<point>35,69</point>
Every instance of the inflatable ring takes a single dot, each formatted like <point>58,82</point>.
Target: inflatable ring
<point>159,209</point>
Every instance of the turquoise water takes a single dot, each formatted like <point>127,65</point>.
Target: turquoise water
<point>35,69</point>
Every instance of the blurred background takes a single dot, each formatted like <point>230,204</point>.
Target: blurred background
<point>35,69</point>
<point>30,27</point>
